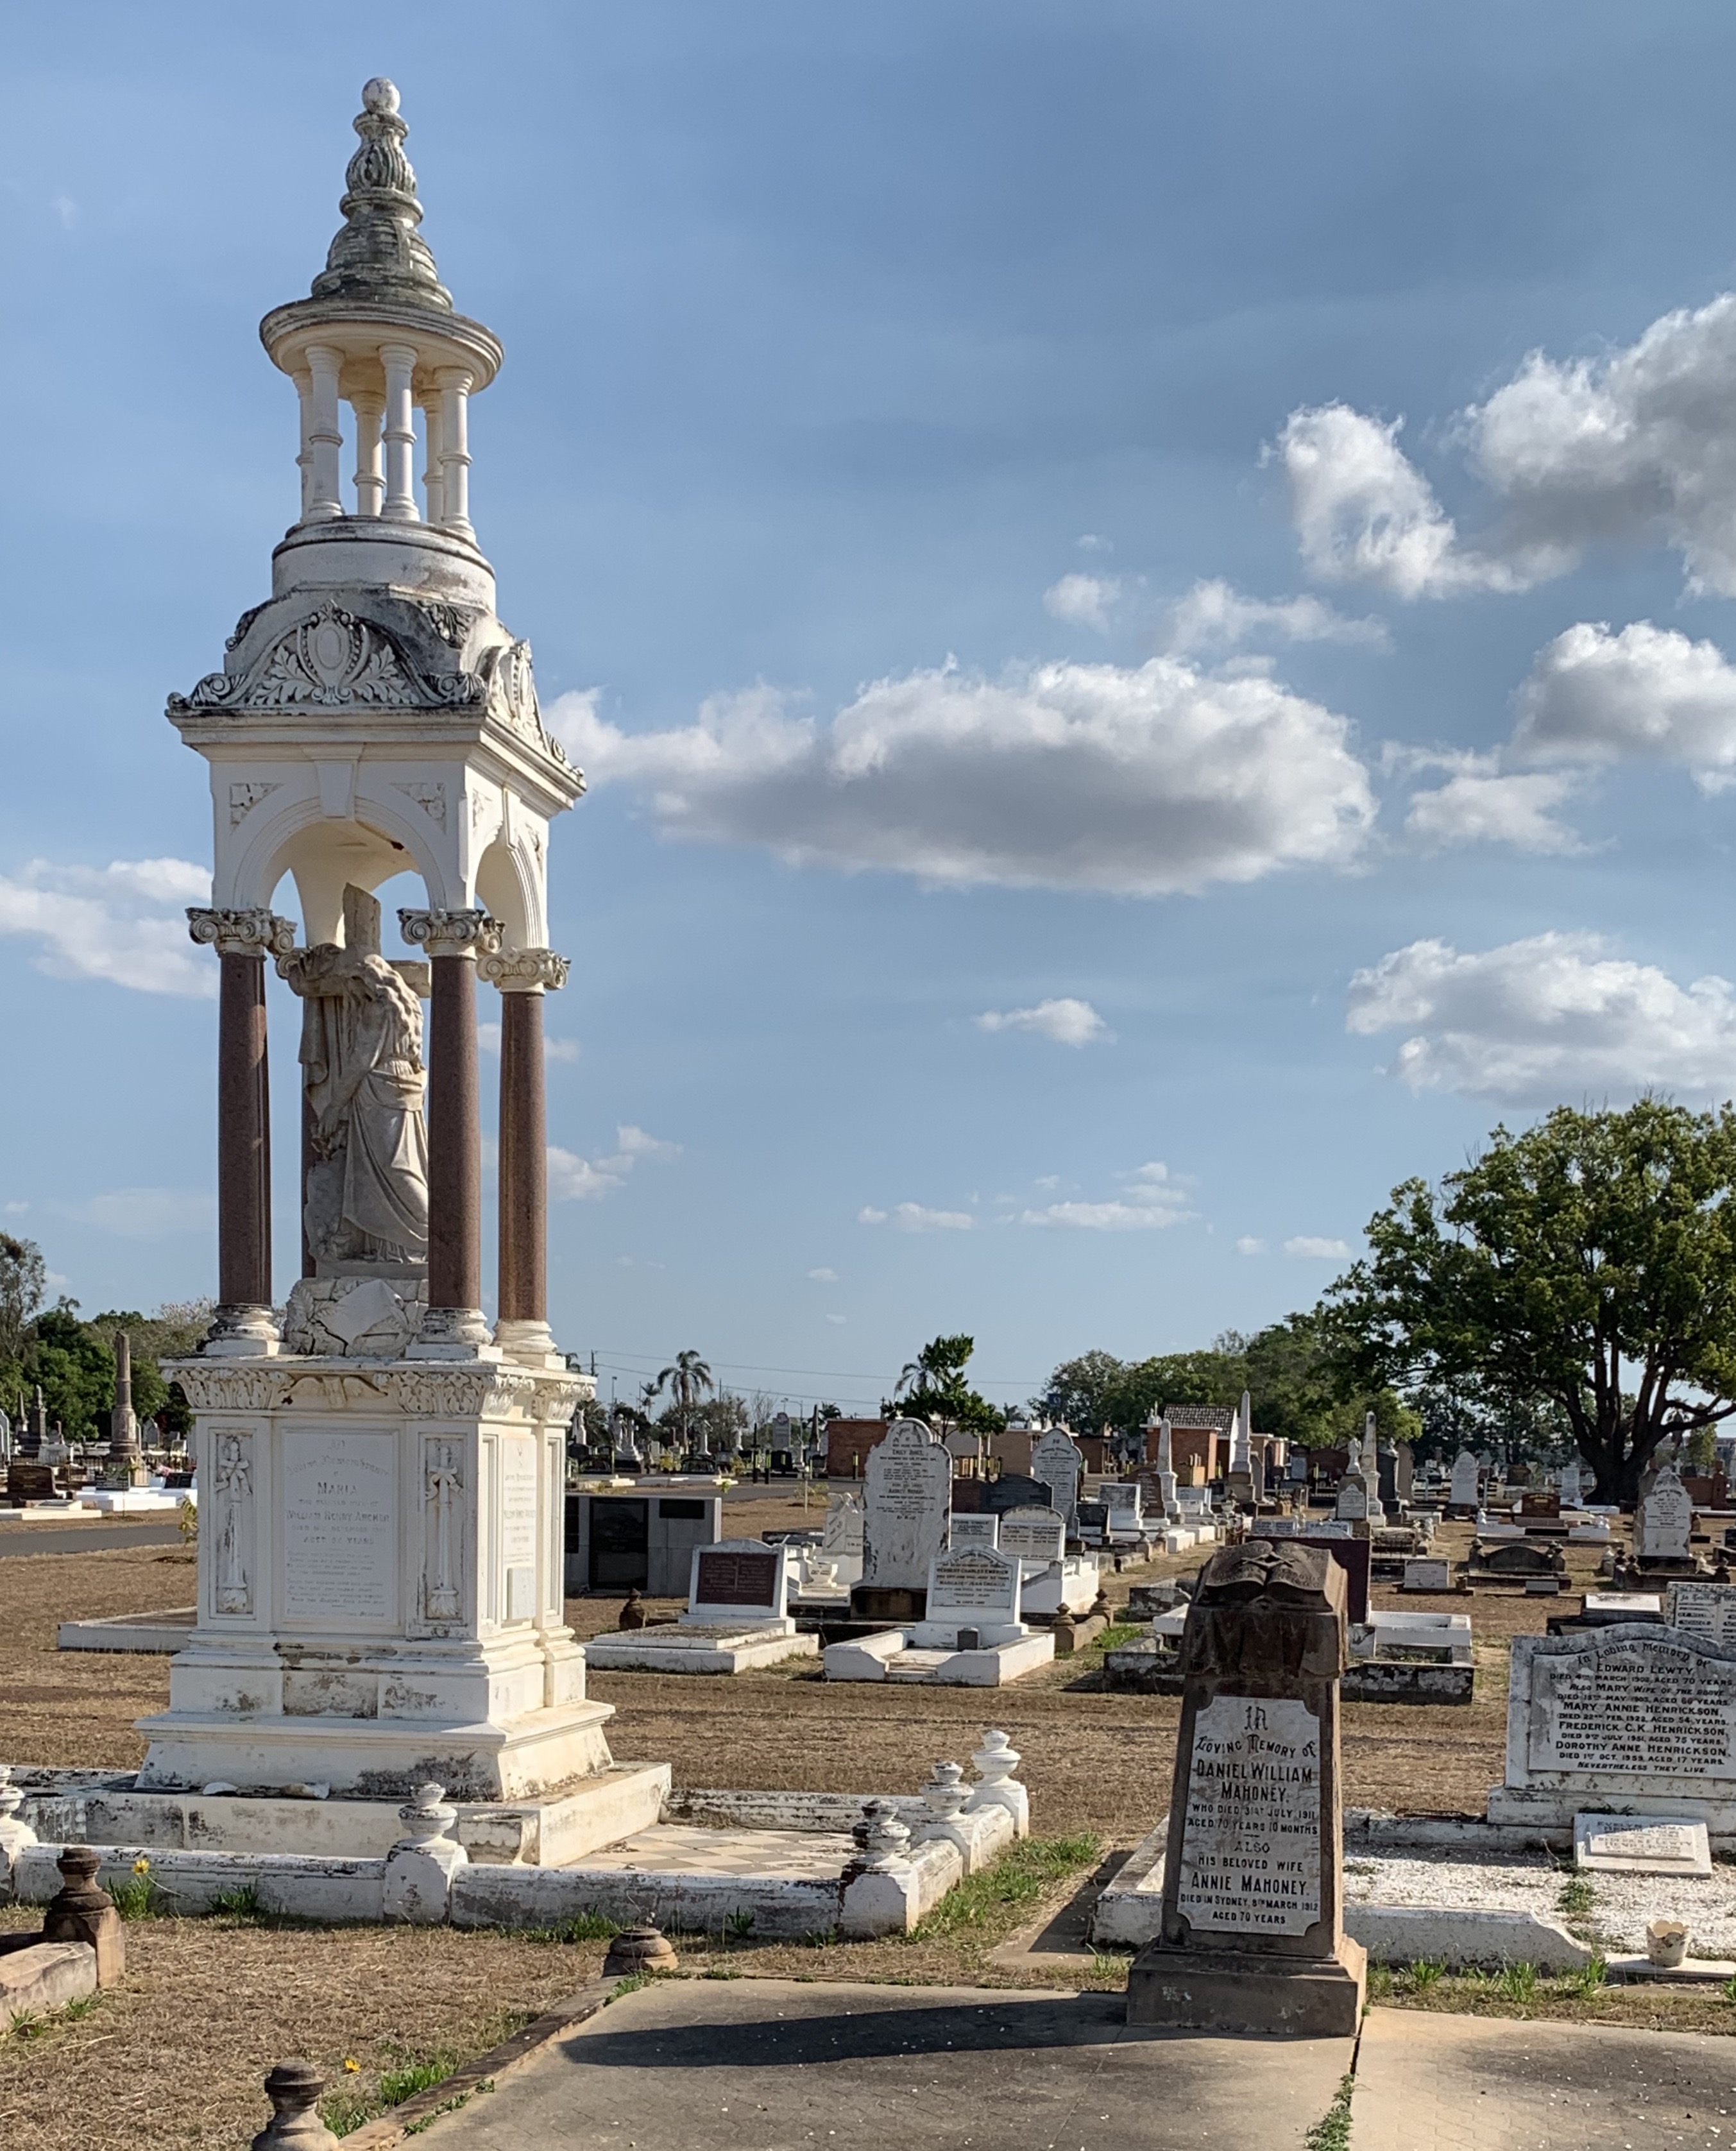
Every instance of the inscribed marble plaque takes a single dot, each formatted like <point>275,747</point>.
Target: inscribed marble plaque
<point>735,1579</point>
<point>974,1580</point>
<point>982,1530</point>
<point>340,1528</point>
<point>1634,1707</point>
<point>1705,1609</point>
<point>1033,1534</point>
<point>1250,1834</point>
<point>1665,1524</point>
<point>518,1500</point>
<point>1057,1461</point>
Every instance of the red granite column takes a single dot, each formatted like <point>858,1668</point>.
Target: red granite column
<point>242,940</point>
<point>453,1324</point>
<point>522,975</point>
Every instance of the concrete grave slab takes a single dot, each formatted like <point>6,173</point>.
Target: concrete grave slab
<point>1652,1844</point>
<point>772,2065</point>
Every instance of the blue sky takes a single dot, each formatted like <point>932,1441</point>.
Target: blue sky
<point>948,465</point>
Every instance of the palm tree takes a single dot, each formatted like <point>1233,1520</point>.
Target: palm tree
<point>686,1381</point>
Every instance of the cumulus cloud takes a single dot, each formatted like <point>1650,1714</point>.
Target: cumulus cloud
<point>1067,1022</point>
<point>488,1038</point>
<point>1555,1016</point>
<point>917,1217</point>
<point>125,923</point>
<point>147,1213</point>
<point>1364,512</point>
<point>575,1179</point>
<point>1084,601</point>
<point>1312,1248</point>
<point>1637,443</point>
<point>1478,804</point>
<point>1146,780</point>
<point>1646,693</point>
<point>1215,615</point>
<point>823,1275</point>
<point>1151,1198</point>
<point>1248,1245</point>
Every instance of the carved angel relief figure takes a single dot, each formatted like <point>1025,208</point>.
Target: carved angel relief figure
<point>367,1193</point>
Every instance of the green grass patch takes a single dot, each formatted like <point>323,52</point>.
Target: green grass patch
<point>1426,1975</point>
<point>345,2112</point>
<point>989,1901</point>
<point>1332,2131</point>
<point>1116,1634</point>
<point>140,1896</point>
<point>1518,1983</point>
<point>1578,1898</point>
<point>241,1904</point>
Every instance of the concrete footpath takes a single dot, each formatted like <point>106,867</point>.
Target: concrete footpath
<point>783,2064</point>
<point>1435,2083</point>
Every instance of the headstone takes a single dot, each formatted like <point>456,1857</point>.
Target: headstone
<point>1121,1499</point>
<point>981,1530</point>
<point>1603,1609</point>
<point>1665,1523</point>
<point>844,1525</point>
<point>1353,1502</point>
<point>1571,1486</point>
<point>1167,1469</point>
<point>1033,1535</point>
<point>1705,1609</point>
<point>1635,1845</point>
<point>1428,1575</point>
<point>740,1581</point>
<point>1055,1461</point>
<point>1091,1520</point>
<point>906,1493</point>
<point>1253,1930</point>
<point>1629,1716</point>
<point>975,1584</point>
<point>1546,1507</point>
<point>1463,1492</point>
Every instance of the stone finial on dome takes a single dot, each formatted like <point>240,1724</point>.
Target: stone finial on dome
<point>380,254</point>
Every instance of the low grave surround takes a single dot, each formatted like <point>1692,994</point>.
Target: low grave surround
<point>735,1620</point>
<point>974,1635</point>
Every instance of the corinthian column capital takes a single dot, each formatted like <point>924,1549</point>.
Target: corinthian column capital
<point>524,970</point>
<point>254,932</point>
<point>468,933</point>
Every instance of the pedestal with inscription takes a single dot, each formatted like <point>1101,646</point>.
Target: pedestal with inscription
<point>380,1585</point>
<point>1252,1935</point>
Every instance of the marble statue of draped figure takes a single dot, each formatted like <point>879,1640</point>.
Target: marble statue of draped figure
<point>367,1193</point>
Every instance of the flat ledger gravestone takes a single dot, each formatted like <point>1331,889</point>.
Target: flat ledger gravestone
<point>1640,1844</point>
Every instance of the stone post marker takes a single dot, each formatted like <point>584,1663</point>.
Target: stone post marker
<point>1252,1926</point>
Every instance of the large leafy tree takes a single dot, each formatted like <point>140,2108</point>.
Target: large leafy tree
<point>933,1386</point>
<point>1581,1272</point>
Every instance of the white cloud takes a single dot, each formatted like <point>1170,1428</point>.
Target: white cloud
<point>916,1217</point>
<point>147,1213</point>
<point>1067,1022</point>
<point>1637,444</point>
<point>1091,543</point>
<point>1084,601</point>
<point>1151,1199</point>
<point>1249,1246</point>
<point>1553,1017</point>
<point>823,1275</point>
<point>125,923</point>
<point>840,1319</point>
<point>1144,780</point>
<point>1480,806</point>
<point>575,1179</point>
<point>1645,693</point>
<point>1311,1248</point>
<point>488,1038</point>
<point>1216,615</point>
<point>1365,513</point>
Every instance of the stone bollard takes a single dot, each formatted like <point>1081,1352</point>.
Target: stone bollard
<point>639,1949</point>
<point>14,1835</point>
<point>293,2088</point>
<point>877,1895</point>
<point>420,1867</point>
<point>996,1761</point>
<point>81,1912</point>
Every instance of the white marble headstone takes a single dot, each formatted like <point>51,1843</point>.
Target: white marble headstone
<point>1571,1493</point>
<point>1463,1492</point>
<point>1705,1609</point>
<point>1056,1461</point>
<point>974,1580</point>
<point>983,1529</point>
<point>906,1493</point>
<point>1665,1523</point>
<point>1033,1534</point>
<point>843,1533</point>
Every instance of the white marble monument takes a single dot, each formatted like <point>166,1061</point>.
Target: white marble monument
<point>1056,1461</point>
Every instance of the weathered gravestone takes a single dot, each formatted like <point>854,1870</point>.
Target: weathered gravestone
<point>1122,1499</point>
<point>739,1583</point>
<point>1664,1525</point>
<point>1427,1574</point>
<point>1624,1844</point>
<point>906,1491</point>
<point>1252,1932</point>
<point>1056,1461</point>
<point>1353,1502</point>
<point>1570,1487</point>
<point>1707,1610</point>
<point>1012,1489</point>
<point>1033,1535</point>
<point>976,1587</point>
<point>1639,1718</point>
<point>1462,1494</point>
<point>983,1530</point>
<point>843,1535</point>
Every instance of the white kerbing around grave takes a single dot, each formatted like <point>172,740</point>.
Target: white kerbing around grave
<point>735,1620</point>
<point>974,1636</point>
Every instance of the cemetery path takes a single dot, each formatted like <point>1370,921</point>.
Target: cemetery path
<point>779,2065</point>
<point>1435,2083</point>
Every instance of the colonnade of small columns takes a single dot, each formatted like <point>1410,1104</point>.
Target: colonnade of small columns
<point>458,943</point>
<point>386,441</point>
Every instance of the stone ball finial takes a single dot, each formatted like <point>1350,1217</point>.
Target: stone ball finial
<point>380,95</point>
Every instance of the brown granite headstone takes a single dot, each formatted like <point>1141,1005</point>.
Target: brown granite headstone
<point>1252,1935</point>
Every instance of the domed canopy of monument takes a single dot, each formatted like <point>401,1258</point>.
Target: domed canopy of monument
<point>380,253</point>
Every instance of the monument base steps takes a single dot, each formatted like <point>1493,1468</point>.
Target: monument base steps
<point>1235,1990</point>
<point>541,1754</point>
